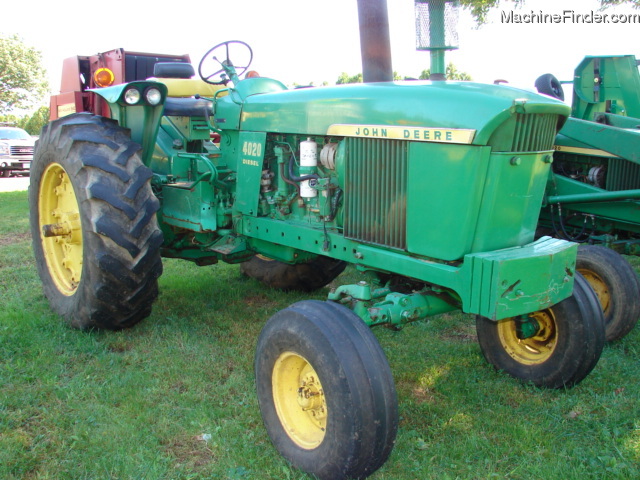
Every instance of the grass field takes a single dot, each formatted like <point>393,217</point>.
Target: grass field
<point>173,398</point>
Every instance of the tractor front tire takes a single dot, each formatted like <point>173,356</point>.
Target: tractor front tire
<point>616,285</point>
<point>302,277</point>
<point>566,347</point>
<point>95,235</point>
<point>548,84</point>
<point>326,391</point>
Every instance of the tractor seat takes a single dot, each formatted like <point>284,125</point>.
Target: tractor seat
<point>177,76</point>
<point>187,107</point>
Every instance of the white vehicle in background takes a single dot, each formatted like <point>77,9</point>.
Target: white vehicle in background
<point>16,151</point>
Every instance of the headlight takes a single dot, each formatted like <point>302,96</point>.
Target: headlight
<point>153,96</point>
<point>132,96</point>
<point>4,149</point>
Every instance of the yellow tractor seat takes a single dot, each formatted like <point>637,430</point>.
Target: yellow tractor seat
<point>177,77</point>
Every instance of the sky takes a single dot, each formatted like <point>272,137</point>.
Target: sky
<point>304,41</point>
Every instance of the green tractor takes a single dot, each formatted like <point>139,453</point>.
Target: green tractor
<point>432,189</point>
<point>593,193</point>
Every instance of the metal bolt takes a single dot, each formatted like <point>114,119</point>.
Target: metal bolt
<point>55,230</point>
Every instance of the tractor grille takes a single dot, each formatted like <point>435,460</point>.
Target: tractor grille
<point>534,132</point>
<point>622,175</point>
<point>22,150</point>
<point>376,182</point>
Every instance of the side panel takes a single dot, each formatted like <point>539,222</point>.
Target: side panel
<point>446,183</point>
<point>251,150</point>
<point>511,200</point>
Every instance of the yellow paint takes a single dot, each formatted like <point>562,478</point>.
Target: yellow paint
<point>299,400</point>
<point>189,87</point>
<point>534,350</point>
<point>418,134</point>
<point>583,151</point>
<point>58,211</point>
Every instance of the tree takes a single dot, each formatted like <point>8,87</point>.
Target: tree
<point>23,81</point>
<point>451,73</point>
<point>480,8</point>
<point>357,78</point>
<point>31,123</point>
<point>35,122</point>
<point>345,78</point>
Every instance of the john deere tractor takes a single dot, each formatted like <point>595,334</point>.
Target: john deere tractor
<point>593,193</point>
<point>432,188</point>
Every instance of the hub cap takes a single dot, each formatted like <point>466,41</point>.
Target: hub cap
<point>601,289</point>
<point>533,350</point>
<point>60,229</point>
<point>299,400</point>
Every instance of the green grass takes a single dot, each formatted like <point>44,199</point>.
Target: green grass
<point>135,404</point>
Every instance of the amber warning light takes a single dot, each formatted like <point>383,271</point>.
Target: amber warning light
<point>103,77</point>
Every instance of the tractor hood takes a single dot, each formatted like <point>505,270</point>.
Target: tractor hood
<point>476,109</point>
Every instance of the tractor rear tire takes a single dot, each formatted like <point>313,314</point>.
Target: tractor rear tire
<point>302,277</point>
<point>616,285</point>
<point>326,391</point>
<point>565,349</point>
<point>95,235</point>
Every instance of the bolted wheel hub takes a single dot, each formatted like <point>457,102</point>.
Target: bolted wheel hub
<point>61,229</point>
<point>299,400</point>
<point>530,340</point>
<point>599,286</point>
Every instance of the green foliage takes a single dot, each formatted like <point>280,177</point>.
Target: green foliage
<point>345,78</point>
<point>36,121</point>
<point>452,73</point>
<point>31,123</point>
<point>480,8</point>
<point>612,3</point>
<point>23,81</point>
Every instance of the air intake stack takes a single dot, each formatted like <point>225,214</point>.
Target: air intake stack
<point>437,31</point>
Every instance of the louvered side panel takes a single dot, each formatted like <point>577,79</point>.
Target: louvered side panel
<point>534,132</point>
<point>375,191</point>
<point>623,175</point>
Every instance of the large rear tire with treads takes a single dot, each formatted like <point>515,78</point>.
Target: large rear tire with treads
<point>93,223</point>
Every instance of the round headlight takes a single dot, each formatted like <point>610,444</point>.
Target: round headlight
<point>132,96</point>
<point>153,96</point>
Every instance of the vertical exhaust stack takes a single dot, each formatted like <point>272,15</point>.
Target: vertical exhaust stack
<point>437,31</point>
<point>375,45</point>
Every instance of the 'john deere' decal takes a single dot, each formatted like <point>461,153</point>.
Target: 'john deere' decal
<point>421,134</point>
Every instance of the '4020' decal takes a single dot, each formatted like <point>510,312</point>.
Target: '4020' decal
<point>252,149</point>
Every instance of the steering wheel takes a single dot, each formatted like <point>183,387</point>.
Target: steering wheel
<point>211,58</point>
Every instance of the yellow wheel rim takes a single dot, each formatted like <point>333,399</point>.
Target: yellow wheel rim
<point>601,289</point>
<point>299,400</point>
<point>60,229</point>
<point>533,350</point>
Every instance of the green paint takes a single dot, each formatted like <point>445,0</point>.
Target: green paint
<point>439,182</point>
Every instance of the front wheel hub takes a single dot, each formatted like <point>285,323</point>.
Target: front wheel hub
<point>299,400</point>
<point>531,340</point>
